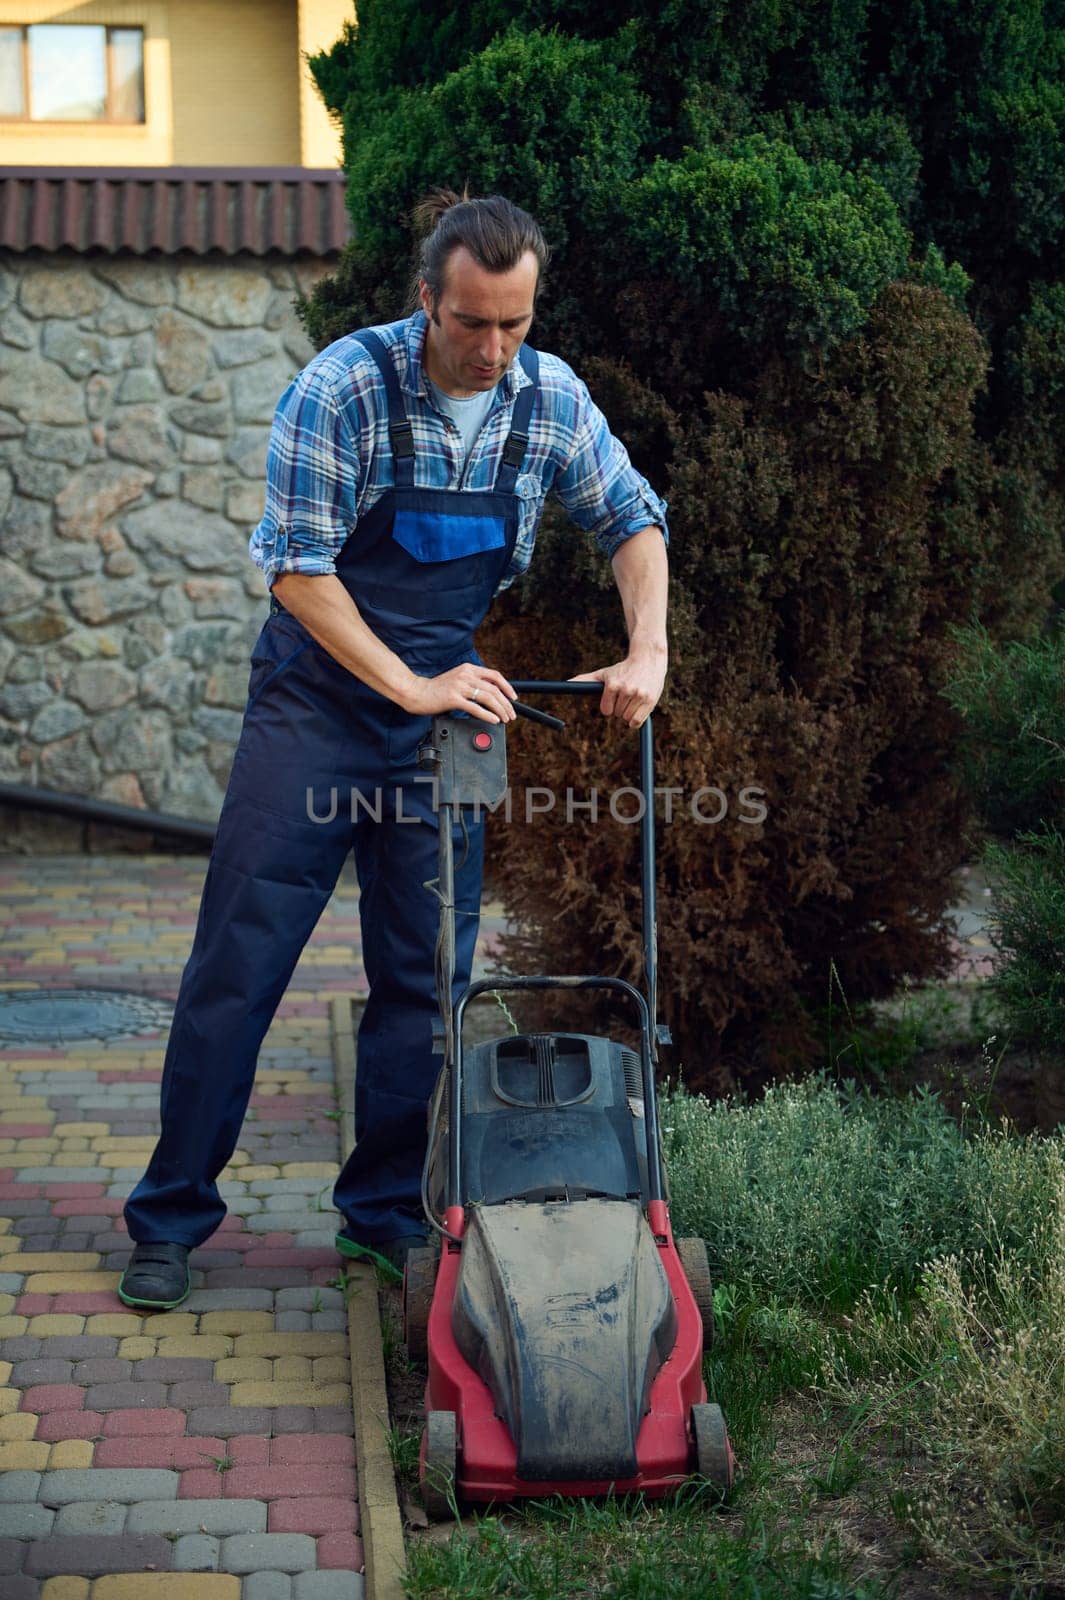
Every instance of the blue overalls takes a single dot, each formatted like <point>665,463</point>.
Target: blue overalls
<point>317,743</point>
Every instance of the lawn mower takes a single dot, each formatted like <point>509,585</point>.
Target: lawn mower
<point>562,1324</point>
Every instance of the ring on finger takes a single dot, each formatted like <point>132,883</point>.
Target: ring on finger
<point>475,694</point>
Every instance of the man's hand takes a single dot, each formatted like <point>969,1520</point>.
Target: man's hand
<point>481,691</point>
<point>631,688</point>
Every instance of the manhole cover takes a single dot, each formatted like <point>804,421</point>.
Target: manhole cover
<point>58,1016</point>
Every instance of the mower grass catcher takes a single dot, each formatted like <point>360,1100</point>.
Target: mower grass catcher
<point>563,1325</point>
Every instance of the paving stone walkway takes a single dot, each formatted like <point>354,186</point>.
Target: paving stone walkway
<point>207,1453</point>
<point>202,1454</point>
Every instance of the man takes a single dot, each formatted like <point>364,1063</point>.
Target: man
<point>407,470</point>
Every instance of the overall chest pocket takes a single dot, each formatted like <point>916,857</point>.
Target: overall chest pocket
<point>430,536</point>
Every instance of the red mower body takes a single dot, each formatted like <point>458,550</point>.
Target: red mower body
<point>487,1457</point>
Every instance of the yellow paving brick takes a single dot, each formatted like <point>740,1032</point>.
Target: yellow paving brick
<point>169,1323</point>
<point>310,1169</point>
<point>10,1400</point>
<point>9,1245</point>
<point>113,1323</point>
<point>18,1425</point>
<point>79,1145</point>
<point>208,1346</point>
<point>74,1158</point>
<point>6,1224</point>
<point>5,1371</point>
<point>65,1589</point>
<point>71,1282</point>
<point>87,1130</point>
<point>50,1325</point>
<point>11,1327</point>
<point>55,1261</point>
<point>167,1586</point>
<point>27,1455</point>
<point>260,1088</point>
<point>123,1141</point>
<point>37,1142</point>
<point>331,1369</point>
<point>243,1369</point>
<point>71,1453</point>
<point>54,1324</point>
<point>240,1158</point>
<point>290,1344</point>
<point>236,1321</point>
<point>6,1303</point>
<point>136,1349</point>
<point>291,1369</point>
<point>290,1394</point>
<point>248,1173</point>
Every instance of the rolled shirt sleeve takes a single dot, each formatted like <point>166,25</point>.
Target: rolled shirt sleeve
<point>312,472</point>
<point>600,488</point>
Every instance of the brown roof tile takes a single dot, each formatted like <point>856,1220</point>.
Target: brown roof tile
<point>141,210</point>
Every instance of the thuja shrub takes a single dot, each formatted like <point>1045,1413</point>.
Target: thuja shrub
<point>746,273</point>
<point>1012,753</point>
<point>1011,700</point>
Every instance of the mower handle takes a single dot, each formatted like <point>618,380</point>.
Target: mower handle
<point>523,686</point>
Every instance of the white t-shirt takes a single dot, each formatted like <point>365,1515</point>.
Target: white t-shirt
<point>467,414</point>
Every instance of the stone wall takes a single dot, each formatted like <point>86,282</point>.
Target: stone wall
<point>136,397</point>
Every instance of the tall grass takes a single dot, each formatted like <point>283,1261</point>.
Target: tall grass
<point>814,1193</point>
<point>872,1253</point>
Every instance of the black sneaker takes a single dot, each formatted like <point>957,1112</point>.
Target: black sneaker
<point>388,1255</point>
<point>156,1276</point>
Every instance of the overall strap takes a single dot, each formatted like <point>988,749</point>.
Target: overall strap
<point>518,437</point>
<point>399,428</point>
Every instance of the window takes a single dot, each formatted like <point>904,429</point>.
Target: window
<point>76,72</point>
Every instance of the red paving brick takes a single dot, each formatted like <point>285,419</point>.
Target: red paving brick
<point>53,1397</point>
<point>275,1483</point>
<point>312,1515</point>
<point>179,1455</point>
<point>148,1423</point>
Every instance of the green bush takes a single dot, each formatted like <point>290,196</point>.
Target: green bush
<point>1027,925</point>
<point>1012,753</point>
<point>1011,700</point>
<point>786,248</point>
<point>806,261</point>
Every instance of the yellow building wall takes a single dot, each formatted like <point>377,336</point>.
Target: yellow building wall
<point>226,85</point>
<point>321,22</point>
<point>40,144</point>
<point>235,83</point>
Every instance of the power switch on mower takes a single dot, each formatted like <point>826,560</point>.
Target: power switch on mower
<point>468,764</point>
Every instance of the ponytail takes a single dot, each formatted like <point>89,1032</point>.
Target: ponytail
<point>496,232</point>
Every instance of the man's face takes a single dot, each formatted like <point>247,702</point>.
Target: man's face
<point>480,320</point>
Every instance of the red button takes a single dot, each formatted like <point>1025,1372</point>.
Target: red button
<point>482,741</point>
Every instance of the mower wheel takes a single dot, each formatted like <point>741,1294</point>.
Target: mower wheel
<point>419,1281</point>
<point>439,1465</point>
<point>713,1452</point>
<point>692,1254</point>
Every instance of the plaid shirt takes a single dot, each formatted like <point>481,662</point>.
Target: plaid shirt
<point>330,458</point>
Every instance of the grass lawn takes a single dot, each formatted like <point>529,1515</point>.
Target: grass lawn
<point>890,1356</point>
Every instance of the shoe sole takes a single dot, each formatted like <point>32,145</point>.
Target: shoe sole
<point>155,1305</point>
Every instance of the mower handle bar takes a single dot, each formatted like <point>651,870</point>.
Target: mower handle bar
<point>647,822</point>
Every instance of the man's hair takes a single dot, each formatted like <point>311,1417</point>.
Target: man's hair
<point>495,231</point>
